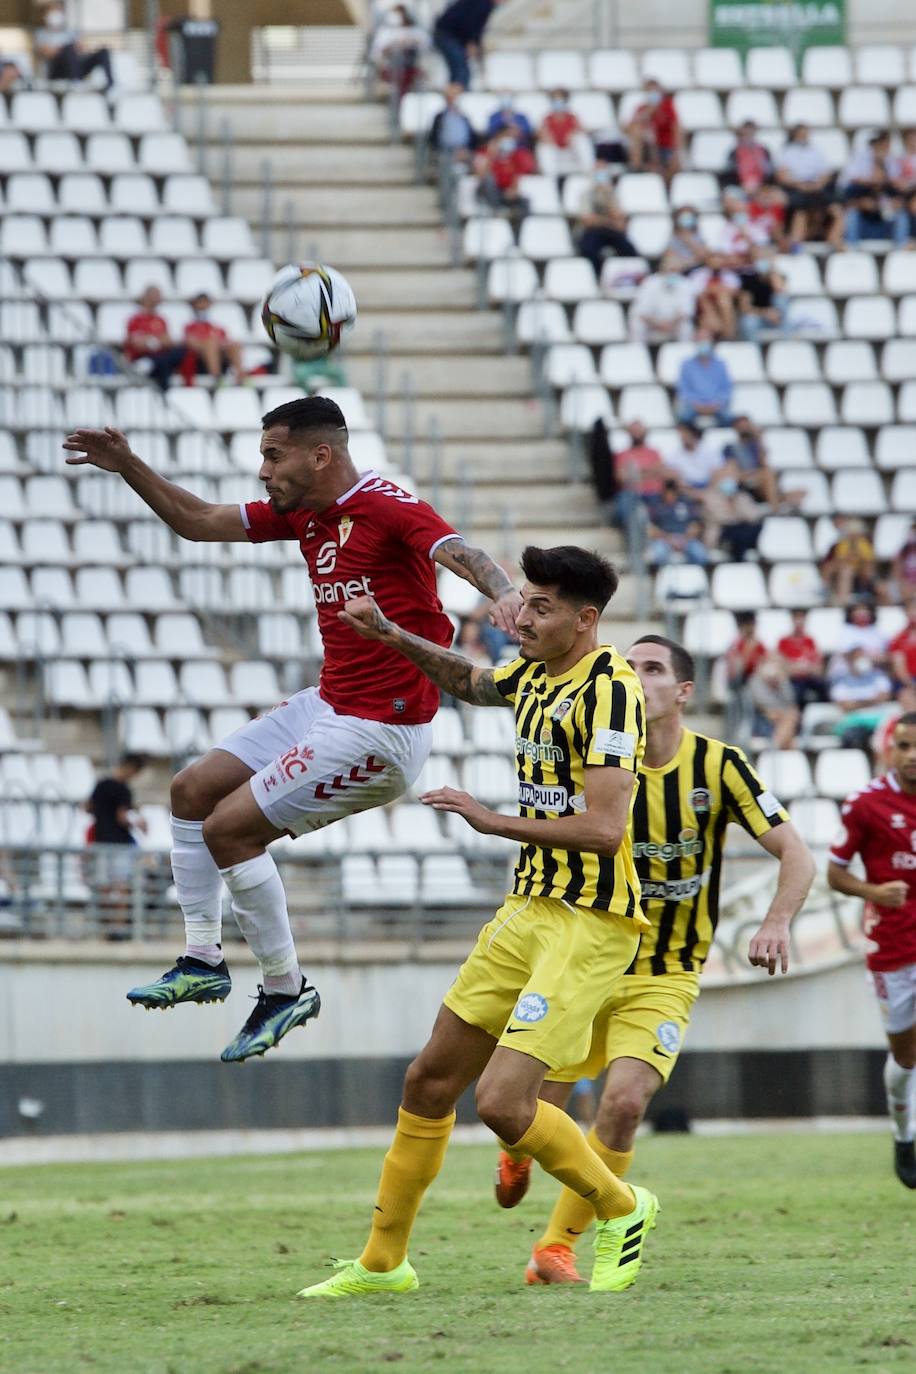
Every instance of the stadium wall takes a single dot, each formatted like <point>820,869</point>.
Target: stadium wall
<point>808,1045</point>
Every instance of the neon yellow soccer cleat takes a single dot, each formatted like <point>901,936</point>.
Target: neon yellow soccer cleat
<point>619,1242</point>
<point>352,1280</point>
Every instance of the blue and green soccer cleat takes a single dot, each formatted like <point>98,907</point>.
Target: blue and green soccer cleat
<point>353,1281</point>
<point>190,980</point>
<point>274,1014</point>
<point>619,1242</point>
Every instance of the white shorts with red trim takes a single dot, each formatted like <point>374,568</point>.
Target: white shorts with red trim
<point>312,766</point>
<point>896,994</point>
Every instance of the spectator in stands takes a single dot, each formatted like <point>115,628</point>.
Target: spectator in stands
<point>860,633</point>
<point>451,133</point>
<point>640,472</point>
<point>396,48</point>
<point>860,688</point>
<point>662,309</point>
<point>805,175</point>
<point>763,301</point>
<point>732,517</point>
<point>716,289</point>
<point>499,167</point>
<point>904,184</point>
<point>776,715</point>
<point>881,743</point>
<point>746,654</point>
<point>469,642</point>
<point>850,568</point>
<point>510,120</point>
<point>686,249</point>
<point>749,164</point>
<point>654,133</point>
<point>695,463</point>
<point>740,237</point>
<point>458,34</point>
<point>872,211</point>
<point>674,528</point>
<point>210,346</point>
<point>114,822</point>
<point>704,386</point>
<point>10,74</point>
<point>62,52</point>
<point>903,570</point>
<point>748,454</point>
<point>602,224</point>
<point>902,649</point>
<point>803,662</point>
<point>147,338</point>
<point>563,146</point>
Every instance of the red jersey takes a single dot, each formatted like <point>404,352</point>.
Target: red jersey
<point>506,169</point>
<point>561,125</point>
<point>879,823</point>
<point>801,653</point>
<point>905,643</point>
<point>664,121</point>
<point>376,540</point>
<point>140,329</point>
<point>204,329</point>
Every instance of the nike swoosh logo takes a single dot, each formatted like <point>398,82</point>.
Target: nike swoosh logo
<point>662,1053</point>
<point>514,1030</point>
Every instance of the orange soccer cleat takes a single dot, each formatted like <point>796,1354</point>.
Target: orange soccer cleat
<point>552,1264</point>
<point>512,1179</point>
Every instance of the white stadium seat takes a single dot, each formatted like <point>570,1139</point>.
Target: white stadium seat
<point>771,68</point>
<point>759,106</point>
<point>795,584</point>
<point>543,322</point>
<point>581,406</point>
<point>785,537</point>
<point>513,279</point>
<point>872,317</point>
<point>841,446</point>
<point>806,106</point>
<point>868,403</point>
<point>858,491</point>
<point>709,632</point>
<point>509,71</point>
<point>863,107</point>
<point>613,70</point>
<point>827,66</point>
<point>565,279</point>
<point>849,360</point>
<point>559,68</point>
<point>851,274</point>
<point>840,772</point>
<point>739,587</point>
<point>786,772</point>
<point>810,404</point>
<point>895,446</point>
<point>545,236</point>
<point>898,360</point>
<point>642,193</point>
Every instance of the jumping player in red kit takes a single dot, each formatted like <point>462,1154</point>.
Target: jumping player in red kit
<point>879,824</point>
<point>356,741</point>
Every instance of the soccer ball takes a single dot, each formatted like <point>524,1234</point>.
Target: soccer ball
<point>307,309</point>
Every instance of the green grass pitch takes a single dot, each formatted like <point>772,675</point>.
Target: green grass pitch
<point>783,1254</point>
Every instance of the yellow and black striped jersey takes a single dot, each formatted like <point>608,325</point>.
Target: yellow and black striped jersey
<point>680,817</point>
<point>590,716</point>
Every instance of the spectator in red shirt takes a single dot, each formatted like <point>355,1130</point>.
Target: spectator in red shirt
<point>563,145</point>
<point>499,167</point>
<point>147,331</point>
<point>803,662</point>
<point>903,568</point>
<point>749,162</point>
<point>655,133</point>
<point>747,653</point>
<point>640,472</point>
<point>902,649</point>
<point>210,346</point>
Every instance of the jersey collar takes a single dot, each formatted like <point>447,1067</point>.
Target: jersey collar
<point>366,477</point>
<point>892,781</point>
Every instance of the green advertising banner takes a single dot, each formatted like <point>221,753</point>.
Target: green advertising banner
<point>795,24</point>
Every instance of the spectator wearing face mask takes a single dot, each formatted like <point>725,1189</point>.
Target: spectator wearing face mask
<point>209,345</point>
<point>451,133</point>
<point>654,133</point>
<point>602,224</point>
<point>739,237</point>
<point>663,307</point>
<point>732,518</point>
<point>640,473</point>
<point>695,463</point>
<point>808,180</point>
<point>861,690</point>
<point>704,387</point>
<point>674,528</point>
<point>748,456</point>
<point>803,662</point>
<point>499,168</point>
<point>775,712</point>
<point>763,301</point>
<point>716,288</point>
<point>563,146</point>
<point>749,164</point>
<point>507,119</point>
<point>872,209</point>
<point>62,51</point>
<point>686,249</point>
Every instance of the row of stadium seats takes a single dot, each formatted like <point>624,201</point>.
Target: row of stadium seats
<point>101,279</point>
<point>63,152</point>
<point>76,321</point>
<point>83,112</point>
<point>771,68</point>
<point>87,193</point>
<point>76,237</point>
<point>151,590</point>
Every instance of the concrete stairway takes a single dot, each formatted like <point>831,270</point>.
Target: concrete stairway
<point>498,470</point>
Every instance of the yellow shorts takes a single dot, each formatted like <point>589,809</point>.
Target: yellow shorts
<point>644,1018</point>
<point>539,974</point>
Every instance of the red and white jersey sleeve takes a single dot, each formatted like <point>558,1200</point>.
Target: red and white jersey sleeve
<point>378,540</point>
<point>879,824</point>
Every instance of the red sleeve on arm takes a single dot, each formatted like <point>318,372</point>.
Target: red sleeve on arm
<point>847,843</point>
<point>419,526</point>
<point>262,523</point>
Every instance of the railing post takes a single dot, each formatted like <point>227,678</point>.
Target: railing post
<point>407,398</point>
<point>152,33</point>
<point>290,217</point>
<point>200,123</point>
<point>381,382</point>
<point>434,440</point>
<point>225,133</point>
<point>267,208</point>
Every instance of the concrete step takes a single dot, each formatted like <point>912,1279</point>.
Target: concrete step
<point>284,122</point>
<point>353,164</point>
<point>446,375</point>
<point>493,461</point>
<point>513,418</point>
<point>362,247</point>
<point>541,504</point>
<point>475,332</point>
<point>438,289</point>
<point>315,207</point>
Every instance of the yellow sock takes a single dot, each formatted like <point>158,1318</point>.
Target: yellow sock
<point>512,1151</point>
<point>572,1215</point>
<point>556,1142</point>
<point>412,1162</point>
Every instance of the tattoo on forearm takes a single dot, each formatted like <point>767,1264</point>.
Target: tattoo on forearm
<point>452,672</point>
<point>482,571</point>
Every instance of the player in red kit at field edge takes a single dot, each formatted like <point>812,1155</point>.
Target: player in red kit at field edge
<point>879,824</point>
<point>356,741</point>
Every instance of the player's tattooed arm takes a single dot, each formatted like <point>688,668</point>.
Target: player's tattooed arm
<point>488,577</point>
<point>452,672</point>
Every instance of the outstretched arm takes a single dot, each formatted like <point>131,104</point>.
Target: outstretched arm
<point>181,510</point>
<point>452,672</point>
<point>770,946</point>
<point>478,567</point>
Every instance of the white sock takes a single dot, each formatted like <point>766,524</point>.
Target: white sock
<point>199,889</point>
<point>259,906</point>
<point>897,1082</point>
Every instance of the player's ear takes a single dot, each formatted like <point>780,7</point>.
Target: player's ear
<point>588,618</point>
<point>684,693</point>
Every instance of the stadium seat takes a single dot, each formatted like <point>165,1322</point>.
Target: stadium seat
<point>796,585</point>
<point>792,360</point>
<point>134,193</point>
<point>613,70</point>
<point>905,105</point>
<point>903,491</point>
<point>566,279</point>
<point>827,66</point>
<point>698,110</point>
<point>109,153</point>
<point>898,360</point>
<point>760,106</point>
<point>594,111</point>
<point>543,322</point>
<point>804,105</point>
<point>863,107</point>
<point>816,499</point>
<point>599,322</point>
<point>128,634</point>
<point>801,272</point>
<point>556,67</point>
<point>872,317</point>
<point>890,534</point>
<point>545,236</point>
<point>37,636</point>
<point>838,773</point>
<point>809,404</point>
<point>773,69</point>
<point>679,583</point>
<point>851,274</point>
<point>621,276</point>
<point>624,364</point>
<point>816,818</point>
<point>139,114</point>
<point>142,732</point>
<point>786,772</point>
<point>58,152</point>
<point>175,236</point>
<point>785,537</point>
<point>30,193</point>
<point>514,279</point>
<point>879,65</point>
<point>858,491</point>
<point>895,446</point>
<point>868,403</point>
<point>650,404</point>
<point>123,236</point>
<point>642,193</point>
<point>709,632</point>
<point>717,69</point>
<point>816,316</point>
<point>841,446</point>
<point>541,194</point>
<point>738,587</point>
<point>849,360</point>
<point>509,71</point>
<point>581,406</point>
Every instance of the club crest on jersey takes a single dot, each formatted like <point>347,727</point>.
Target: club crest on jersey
<point>898,820</point>
<point>345,529</point>
<point>669,1036</point>
<point>531,1007</point>
<point>700,800</point>
<point>561,710</point>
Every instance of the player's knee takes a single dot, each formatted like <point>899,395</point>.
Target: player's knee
<point>620,1112</point>
<point>190,796</point>
<point>507,1119</point>
<point>427,1092</point>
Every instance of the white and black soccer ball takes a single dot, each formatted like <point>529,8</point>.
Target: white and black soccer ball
<point>307,309</point>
